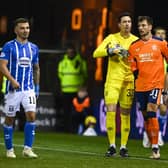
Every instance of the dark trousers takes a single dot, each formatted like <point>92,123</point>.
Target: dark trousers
<point>78,119</point>
<point>68,111</point>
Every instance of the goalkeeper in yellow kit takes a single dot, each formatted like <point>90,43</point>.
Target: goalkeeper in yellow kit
<point>119,85</point>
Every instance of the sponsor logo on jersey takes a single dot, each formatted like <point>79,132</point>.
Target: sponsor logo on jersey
<point>24,62</point>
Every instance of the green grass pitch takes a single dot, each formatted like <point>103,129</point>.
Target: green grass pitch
<point>58,150</point>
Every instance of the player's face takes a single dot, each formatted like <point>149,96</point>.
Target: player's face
<point>161,33</point>
<point>125,24</point>
<point>144,28</point>
<point>22,30</point>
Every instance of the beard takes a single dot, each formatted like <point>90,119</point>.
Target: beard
<point>24,36</point>
<point>144,34</point>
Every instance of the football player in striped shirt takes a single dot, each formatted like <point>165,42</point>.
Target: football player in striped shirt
<point>19,63</point>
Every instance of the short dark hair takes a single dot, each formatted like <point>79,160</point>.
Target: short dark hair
<point>20,20</point>
<point>158,28</point>
<point>124,14</point>
<point>147,18</point>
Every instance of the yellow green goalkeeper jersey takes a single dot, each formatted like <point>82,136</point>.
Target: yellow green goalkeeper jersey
<point>118,67</point>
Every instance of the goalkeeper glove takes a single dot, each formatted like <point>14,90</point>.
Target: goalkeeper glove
<point>117,51</point>
<point>112,51</point>
<point>123,53</point>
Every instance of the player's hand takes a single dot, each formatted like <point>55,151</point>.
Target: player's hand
<point>15,85</point>
<point>117,50</point>
<point>123,52</point>
<point>112,51</point>
<point>37,90</point>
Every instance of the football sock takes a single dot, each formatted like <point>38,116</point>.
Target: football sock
<point>146,127</point>
<point>125,129</point>
<point>111,126</point>
<point>29,133</point>
<point>162,121</point>
<point>8,136</point>
<point>153,130</point>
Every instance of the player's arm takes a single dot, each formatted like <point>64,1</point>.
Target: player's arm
<point>165,91</point>
<point>110,47</point>
<point>166,81</point>
<point>133,63</point>
<point>36,74</point>
<point>101,50</point>
<point>117,50</point>
<point>36,77</point>
<point>164,50</point>
<point>6,73</point>
<point>4,57</point>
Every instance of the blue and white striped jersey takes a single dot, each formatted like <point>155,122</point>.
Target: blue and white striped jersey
<point>21,58</point>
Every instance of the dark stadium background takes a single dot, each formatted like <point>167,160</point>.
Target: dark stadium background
<point>51,30</point>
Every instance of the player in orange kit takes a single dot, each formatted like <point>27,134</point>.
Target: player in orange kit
<point>159,32</point>
<point>147,63</point>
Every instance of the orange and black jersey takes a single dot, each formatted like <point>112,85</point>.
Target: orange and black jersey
<point>147,57</point>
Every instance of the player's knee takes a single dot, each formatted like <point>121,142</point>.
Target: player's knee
<point>152,107</point>
<point>163,110</point>
<point>9,121</point>
<point>30,116</point>
<point>125,111</point>
<point>111,107</point>
<point>163,113</point>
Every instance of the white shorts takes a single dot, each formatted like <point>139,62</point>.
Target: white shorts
<point>14,99</point>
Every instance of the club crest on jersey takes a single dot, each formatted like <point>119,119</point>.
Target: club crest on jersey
<point>2,54</point>
<point>24,62</point>
<point>154,47</point>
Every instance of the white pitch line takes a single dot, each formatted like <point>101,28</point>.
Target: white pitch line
<point>91,153</point>
<point>59,150</point>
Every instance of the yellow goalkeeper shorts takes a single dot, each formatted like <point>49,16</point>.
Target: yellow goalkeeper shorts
<point>121,92</point>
